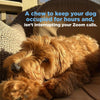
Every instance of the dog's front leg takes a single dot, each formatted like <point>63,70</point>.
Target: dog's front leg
<point>63,85</point>
<point>20,89</point>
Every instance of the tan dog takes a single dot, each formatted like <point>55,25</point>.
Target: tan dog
<point>58,64</point>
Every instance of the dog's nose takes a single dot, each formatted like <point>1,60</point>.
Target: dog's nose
<point>15,68</point>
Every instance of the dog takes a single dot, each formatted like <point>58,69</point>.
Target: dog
<point>50,66</point>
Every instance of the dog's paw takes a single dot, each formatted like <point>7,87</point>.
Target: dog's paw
<point>20,89</point>
<point>58,88</point>
<point>51,84</point>
<point>44,93</point>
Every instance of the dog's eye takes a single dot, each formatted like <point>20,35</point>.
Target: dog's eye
<point>46,60</point>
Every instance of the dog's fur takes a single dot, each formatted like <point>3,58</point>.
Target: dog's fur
<point>50,66</point>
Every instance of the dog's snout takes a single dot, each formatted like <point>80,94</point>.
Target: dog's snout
<point>15,68</point>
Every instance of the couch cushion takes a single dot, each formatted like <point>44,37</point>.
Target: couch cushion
<point>10,41</point>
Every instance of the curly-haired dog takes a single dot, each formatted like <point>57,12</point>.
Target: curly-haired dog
<point>50,66</point>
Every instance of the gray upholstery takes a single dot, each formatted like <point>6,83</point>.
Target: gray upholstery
<point>10,41</point>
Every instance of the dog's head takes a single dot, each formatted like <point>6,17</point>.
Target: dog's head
<point>39,58</point>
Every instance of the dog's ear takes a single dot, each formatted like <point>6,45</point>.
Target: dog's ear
<point>30,44</point>
<point>27,45</point>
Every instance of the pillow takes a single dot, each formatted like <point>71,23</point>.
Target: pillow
<point>10,41</point>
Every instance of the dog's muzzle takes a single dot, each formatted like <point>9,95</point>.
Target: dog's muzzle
<point>15,68</point>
